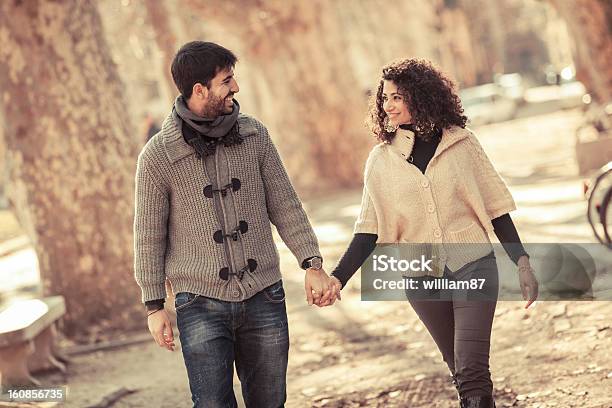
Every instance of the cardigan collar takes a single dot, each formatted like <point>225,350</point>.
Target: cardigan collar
<point>175,145</point>
<point>403,142</point>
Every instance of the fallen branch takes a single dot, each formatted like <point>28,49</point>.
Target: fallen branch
<point>113,397</point>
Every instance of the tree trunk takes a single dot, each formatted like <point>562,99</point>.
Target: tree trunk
<point>456,53</point>
<point>298,51</point>
<point>165,40</point>
<point>590,25</point>
<point>310,66</point>
<point>72,155</point>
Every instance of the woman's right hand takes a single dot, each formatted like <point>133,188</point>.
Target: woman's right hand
<point>336,287</point>
<point>528,281</point>
<point>333,294</point>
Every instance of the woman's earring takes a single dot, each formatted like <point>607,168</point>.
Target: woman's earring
<point>389,128</point>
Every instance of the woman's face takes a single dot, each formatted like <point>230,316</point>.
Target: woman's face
<point>394,105</point>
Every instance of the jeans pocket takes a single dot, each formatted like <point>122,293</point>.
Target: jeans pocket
<point>184,299</point>
<point>275,293</point>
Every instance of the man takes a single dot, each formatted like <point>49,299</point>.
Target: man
<point>150,128</point>
<point>207,188</point>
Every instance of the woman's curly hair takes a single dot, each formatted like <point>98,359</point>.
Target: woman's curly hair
<point>429,95</point>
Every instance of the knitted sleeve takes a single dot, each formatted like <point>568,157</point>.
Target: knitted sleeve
<point>284,206</point>
<point>367,222</point>
<point>150,233</point>
<point>493,190</point>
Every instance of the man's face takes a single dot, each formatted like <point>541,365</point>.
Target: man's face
<point>220,98</point>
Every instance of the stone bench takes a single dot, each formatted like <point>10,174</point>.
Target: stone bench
<point>27,333</point>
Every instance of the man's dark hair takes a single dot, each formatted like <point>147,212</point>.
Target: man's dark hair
<point>199,61</point>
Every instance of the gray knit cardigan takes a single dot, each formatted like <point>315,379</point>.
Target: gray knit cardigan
<point>205,223</point>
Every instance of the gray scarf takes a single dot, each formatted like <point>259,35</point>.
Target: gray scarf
<point>205,134</point>
<point>215,128</point>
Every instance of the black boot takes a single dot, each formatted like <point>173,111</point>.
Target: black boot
<point>479,401</point>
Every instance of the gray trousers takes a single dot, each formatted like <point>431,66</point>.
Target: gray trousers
<point>460,321</point>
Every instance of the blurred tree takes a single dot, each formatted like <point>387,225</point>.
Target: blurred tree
<point>376,33</point>
<point>456,51</point>
<point>3,165</point>
<point>509,36</point>
<point>487,37</point>
<point>312,64</point>
<point>72,158</point>
<point>164,38</point>
<point>298,52</point>
<point>306,69</point>
<point>590,25</point>
<point>131,40</point>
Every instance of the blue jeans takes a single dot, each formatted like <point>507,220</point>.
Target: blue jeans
<point>254,334</point>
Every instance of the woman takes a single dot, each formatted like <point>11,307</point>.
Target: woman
<point>430,182</point>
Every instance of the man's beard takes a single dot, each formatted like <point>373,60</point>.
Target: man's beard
<point>216,107</point>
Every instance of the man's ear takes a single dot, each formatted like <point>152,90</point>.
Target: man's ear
<point>200,91</point>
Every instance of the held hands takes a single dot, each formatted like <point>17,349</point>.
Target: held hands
<point>321,290</point>
<point>528,281</point>
<point>161,329</point>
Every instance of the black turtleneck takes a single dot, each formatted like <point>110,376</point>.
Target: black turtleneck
<point>423,150</point>
<point>362,245</point>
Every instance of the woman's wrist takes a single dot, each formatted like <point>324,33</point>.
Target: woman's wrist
<point>523,264</point>
<point>336,280</point>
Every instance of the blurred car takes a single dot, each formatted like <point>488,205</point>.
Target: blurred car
<point>566,95</point>
<point>487,103</point>
<point>564,87</point>
<point>572,94</point>
<point>512,85</point>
